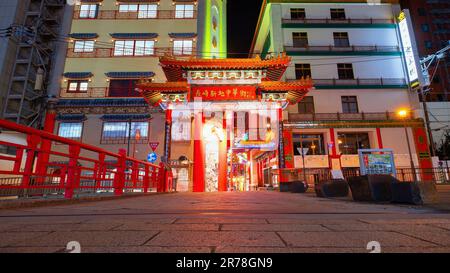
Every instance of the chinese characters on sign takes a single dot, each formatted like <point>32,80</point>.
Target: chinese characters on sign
<point>408,49</point>
<point>218,93</point>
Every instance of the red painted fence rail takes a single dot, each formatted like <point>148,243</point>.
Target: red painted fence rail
<point>41,168</point>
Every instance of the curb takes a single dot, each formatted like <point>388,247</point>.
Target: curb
<point>26,203</point>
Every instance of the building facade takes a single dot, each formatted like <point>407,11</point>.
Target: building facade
<point>432,31</point>
<point>352,52</point>
<point>112,45</point>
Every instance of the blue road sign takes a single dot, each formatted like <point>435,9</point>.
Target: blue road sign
<point>152,157</point>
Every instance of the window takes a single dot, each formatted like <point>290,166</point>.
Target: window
<point>337,14</point>
<point>123,88</point>
<point>350,143</point>
<point>88,11</point>
<point>134,48</point>
<point>298,14</point>
<point>341,39</point>
<point>72,130</point>
<point>144,48</point>
<point>182,47</point>
<point>306,105</point>
<point>349,104</point>
<point>425,28</point>
<point>128,8</point>
<point>302,71</point>
<point>345,71</point>
<point>84,46</point>
<point>184,11</point>
<point>300,39</point>
<point>147,11</point>
<point>311,144</point>
<point>119,132</point>
<point>80,86</point>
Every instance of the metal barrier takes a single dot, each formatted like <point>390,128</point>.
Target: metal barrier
<point>312,176</point>
<point>70,168</point>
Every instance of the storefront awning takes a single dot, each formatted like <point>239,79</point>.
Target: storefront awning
<point>134,35</point>
<point>83,35</point>
<point>130,75</point>
<point>78,75</point>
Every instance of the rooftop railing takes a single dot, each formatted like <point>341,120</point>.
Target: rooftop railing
<point>147,15</point>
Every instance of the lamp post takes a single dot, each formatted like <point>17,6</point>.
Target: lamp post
<point>403,114</point>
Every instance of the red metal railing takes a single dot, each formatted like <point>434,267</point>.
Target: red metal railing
<point>109,53</point>
<point>42,169</point>
<point>117,15</point>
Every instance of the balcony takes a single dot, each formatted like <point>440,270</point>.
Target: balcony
<point>358,83</point>
<point>382,116</point>
<point>116,15</point>
<point>338,50</point>
<point>100,92</point>
<point>369,22</point>
<point>109,53</point>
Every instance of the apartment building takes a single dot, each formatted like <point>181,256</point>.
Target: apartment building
<point>112,45</point>
<point>352,51</point>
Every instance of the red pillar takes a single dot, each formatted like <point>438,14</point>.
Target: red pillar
<point>223,164</point>
<point>380,139</point>
<point>168,134</point>
<point>199,154</point>
<point>73,172</point>
<point>46,145</point>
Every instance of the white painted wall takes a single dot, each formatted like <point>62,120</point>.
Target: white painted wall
<point>354,11</point>
<point>356,36</point>
<point>364,67</point>
<point>369,100</point>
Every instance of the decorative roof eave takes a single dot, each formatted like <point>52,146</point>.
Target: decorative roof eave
<point>78,75</point>
<point>275,67</point>
<point>83,36</point>
<point>126,117</point>
<point>189,35</point>
<point>153,92</point>
<point>129,75</point>
<point>134,35</point>
<point>223,64</point>
<point>72,117</point>
<point>296,90</point>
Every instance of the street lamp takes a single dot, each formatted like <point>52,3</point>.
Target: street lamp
<point>403,114</point>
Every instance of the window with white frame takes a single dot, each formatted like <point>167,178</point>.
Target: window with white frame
<point>88,11</point>
<point>83,46</point>
<point>120,131</point>
<point>182,47</point>
<point>144,48</point>
<point>77,86</point>
<point>128,8</point>
<point>184,11</point>
<point>134,48</point>
<point>148,11</point>
<point>72,130</point>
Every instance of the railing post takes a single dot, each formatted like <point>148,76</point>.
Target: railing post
<point>119,177</point>
<point>135,174</point>
<point>32,141</point>
<point>99,170</point>
<point>18,160</point>
<point>146,181</point>
<point>161,177</point>
<point>155,177</point>
<point>73,175</point>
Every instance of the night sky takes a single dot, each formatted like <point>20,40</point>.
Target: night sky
<point>242,19</point>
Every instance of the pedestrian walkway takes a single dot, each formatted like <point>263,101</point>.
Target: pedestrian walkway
<point>225,222</point>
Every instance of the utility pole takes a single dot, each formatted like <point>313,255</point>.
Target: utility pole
<point>426,64</point>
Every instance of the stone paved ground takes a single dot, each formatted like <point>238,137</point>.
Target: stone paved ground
<point>225,222</point>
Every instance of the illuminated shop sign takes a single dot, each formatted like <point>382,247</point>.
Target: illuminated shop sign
<point>409,49</point>
<point>224,93</point>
